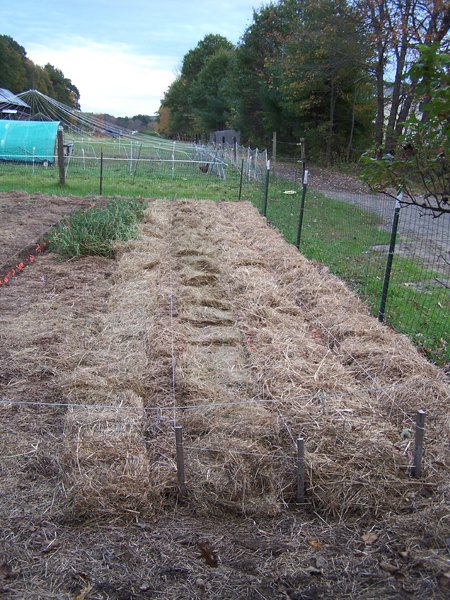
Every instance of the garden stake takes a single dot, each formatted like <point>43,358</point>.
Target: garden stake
<point>302,208</point>
<point>387,274</point>
<point>300,470</point>
<point>180,462</point>
<point>416,470</point>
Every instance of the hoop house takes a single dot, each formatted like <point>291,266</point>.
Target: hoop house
<point>28,141</point>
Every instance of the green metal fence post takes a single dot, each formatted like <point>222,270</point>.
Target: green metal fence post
<point>387,274</point>
<point>266,189</point>
<point>302,208</point>
<point>101,172</point>
<point>242,177</point>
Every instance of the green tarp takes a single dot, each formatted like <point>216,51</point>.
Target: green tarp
<point>28,141</point>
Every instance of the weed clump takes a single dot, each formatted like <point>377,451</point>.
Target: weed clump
<point>93,232</point>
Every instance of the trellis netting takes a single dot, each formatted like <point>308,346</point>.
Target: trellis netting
<point>28,141</point>
<point>88,136</point>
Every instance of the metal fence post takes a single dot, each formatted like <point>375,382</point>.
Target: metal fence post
<point>303,156</point>
<point>242,177</point>
<point>302,209</point>
<point>274,151</point>
<point>266,189</point>
<point>387,274</point>
<point>101,172</point>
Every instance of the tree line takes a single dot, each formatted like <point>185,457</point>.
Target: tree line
<point>337,73</point>
<point>18,73</point>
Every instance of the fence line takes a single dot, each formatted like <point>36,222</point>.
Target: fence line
<point>320,396</point>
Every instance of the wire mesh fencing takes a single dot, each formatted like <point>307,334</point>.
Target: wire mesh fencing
<point>128,167</point>
<point>352,233</point>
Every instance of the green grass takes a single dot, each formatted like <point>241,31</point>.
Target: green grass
<point>93,232</point>
<point>122,178</point>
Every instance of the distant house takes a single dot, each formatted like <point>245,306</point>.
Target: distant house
<point>12,107</point>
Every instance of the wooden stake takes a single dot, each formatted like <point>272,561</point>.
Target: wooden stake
<point>180,462</point>
<point>416,470</point>
<point>300,470</point>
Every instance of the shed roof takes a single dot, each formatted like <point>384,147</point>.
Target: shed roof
<point>7,97</point>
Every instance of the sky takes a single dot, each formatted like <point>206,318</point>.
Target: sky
<point>122,56</point>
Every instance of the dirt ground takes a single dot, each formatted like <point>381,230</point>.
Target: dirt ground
<point>210,321</point>
<point>26,218</point>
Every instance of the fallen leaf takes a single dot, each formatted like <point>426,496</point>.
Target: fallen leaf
<point>313,571</point>
<point>208,554</point>
<point>370,537</point>
<point>392,569</point>
<point>84,592</point>
<point>316,544</point>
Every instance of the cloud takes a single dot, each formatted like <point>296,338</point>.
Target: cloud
<point>111,78</point>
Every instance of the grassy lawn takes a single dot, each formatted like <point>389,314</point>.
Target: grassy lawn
<point>149,179</point>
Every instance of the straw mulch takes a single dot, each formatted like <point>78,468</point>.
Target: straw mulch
<point>294,373</point>
<point>215,323</point>
<point>211,321</point>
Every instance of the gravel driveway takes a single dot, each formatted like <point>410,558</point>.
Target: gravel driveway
<point>422,236</point>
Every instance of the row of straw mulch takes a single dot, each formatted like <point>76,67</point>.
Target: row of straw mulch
<point>214,319</point>
<point>112,469</point>
<point>368,381</point>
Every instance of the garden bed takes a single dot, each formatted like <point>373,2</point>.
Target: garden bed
<point>211,321</point>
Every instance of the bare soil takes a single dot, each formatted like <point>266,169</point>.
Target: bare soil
<point>209,320</point>
<point>27,217</point>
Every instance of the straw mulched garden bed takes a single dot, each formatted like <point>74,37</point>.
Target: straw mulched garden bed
<point>211,321</point>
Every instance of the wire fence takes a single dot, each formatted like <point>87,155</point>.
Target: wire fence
<point>349,232</point>
<point>352,233</point>
<point>138,168</point>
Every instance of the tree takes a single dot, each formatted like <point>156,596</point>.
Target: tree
<point>18,73</point>
<point>197,99</point>
<point>325,58</point>
<point>209,95</point>
<point>13,75</point>
<point>395,29</point>
<point>61,88</point>
<point>419,165</point>
<point>258,109</point>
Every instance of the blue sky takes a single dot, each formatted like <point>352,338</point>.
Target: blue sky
<point>121,55</point>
